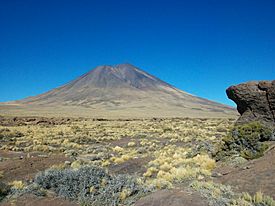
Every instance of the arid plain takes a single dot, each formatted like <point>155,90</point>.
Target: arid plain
<point>157,145</point>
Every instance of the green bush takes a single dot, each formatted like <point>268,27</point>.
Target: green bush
<point>247,140</point>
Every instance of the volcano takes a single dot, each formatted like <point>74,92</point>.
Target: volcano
<point>117,91</point>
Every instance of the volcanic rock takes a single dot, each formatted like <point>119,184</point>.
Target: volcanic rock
<point>255,101</point>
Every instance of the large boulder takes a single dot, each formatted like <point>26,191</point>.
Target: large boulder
<point>255,101</point>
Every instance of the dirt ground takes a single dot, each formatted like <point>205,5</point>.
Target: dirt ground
<point>32,200</point>
<point>133,166</point>
<point>175,197</point>
<point>256,175</point>
<point>17,166</point>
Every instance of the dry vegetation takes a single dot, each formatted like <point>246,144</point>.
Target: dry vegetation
<point>173,152</point>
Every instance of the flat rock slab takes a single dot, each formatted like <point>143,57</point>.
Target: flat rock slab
<point>175,197</point>
<point>254,176</point>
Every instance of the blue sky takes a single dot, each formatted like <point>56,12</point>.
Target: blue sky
<point>200,46</point>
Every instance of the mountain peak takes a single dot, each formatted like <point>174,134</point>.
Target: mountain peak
<point>117,76</point>
<point>117,67</point>
<point>126,64</point>
<point>113,68</point>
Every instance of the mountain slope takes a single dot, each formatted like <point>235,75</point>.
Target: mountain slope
<point>121,90</point>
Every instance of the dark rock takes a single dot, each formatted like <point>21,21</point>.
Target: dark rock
<point>255,101</point>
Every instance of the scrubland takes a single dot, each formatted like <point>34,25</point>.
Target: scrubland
<point>115,162</point>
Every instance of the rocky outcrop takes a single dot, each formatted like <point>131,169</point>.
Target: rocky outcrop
<point>255,101</point>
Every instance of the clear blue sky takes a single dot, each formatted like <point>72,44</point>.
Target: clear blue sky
<point>200,46</point>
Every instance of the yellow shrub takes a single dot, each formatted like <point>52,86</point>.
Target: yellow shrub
<point>165,167</point>
<point>126,157</point>
<point>119,160</point>
<point>159,183</point>
<point>28,149</point>
<point>118,149</point>
<point>124,194</point>
<point>165,175</point>
<point>92,189</point>
<point>205,162</point>
<point>76,164</point>
<point>182,173</point>
<point>144,142</point>
<point>150,171</point>
<point>181,161</point>
<point>105,163</point>
<point>247,197</point>
<point>42,148</point>
<point>131,144</point>
<point>17,185</point>
<point>258,197</point>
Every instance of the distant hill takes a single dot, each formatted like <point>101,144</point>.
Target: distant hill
<point>122,91</point>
